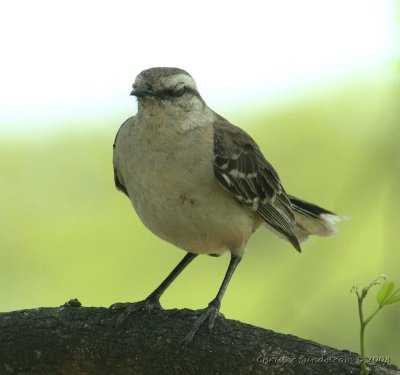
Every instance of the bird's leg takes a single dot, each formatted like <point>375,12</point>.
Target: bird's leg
<point>212,311</point>
<point>156,294</point>
<point>153,300</point>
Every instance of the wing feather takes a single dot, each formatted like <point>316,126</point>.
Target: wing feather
<point>242,170</point>
<point>118,179</point>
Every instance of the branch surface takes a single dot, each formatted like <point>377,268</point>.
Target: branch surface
<point>75,340</point>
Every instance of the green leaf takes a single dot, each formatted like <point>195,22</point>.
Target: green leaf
<point>385,291</point>
<point>393,299</point>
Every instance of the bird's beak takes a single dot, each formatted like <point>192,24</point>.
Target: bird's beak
<point>142,90</point>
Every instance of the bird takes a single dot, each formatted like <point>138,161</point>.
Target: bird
<point>201,183</point>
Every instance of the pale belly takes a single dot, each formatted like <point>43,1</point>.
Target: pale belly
<point>179,199</point>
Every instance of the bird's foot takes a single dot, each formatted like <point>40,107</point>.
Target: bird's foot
<point>210,313</point>
<point>147,305</point>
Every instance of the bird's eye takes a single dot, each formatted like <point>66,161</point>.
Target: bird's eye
<point>179,89</point>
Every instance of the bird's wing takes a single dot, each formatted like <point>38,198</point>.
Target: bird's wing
<point>118,179</point>
<point>242,170</point>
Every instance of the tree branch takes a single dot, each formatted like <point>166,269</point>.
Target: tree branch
<point>78,340</point>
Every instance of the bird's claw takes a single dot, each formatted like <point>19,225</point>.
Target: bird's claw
<point>147,305</point>
<point>210,313</point>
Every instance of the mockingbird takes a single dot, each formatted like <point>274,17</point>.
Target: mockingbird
<point>201,183</point>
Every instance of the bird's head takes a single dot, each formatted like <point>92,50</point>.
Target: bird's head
<point>168,87</point>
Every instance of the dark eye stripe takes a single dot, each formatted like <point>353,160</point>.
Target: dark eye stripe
<point>171,94</point>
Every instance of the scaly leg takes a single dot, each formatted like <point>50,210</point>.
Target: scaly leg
<point>153,300</point>
<point>212,310</point>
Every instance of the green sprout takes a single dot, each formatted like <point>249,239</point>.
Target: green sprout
<point>387,295</point>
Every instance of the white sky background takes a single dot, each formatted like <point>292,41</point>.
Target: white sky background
<point>71,59</point>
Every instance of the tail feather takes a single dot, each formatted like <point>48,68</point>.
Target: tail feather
<point>313,220</point>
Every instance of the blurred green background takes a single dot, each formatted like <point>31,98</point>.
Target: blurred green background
<point>66,233</point>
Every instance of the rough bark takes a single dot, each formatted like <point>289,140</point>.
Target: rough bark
<point>75,340</point>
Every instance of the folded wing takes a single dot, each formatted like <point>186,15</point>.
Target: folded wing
<point>242,170</point>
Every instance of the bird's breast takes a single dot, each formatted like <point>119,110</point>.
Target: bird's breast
<point>163,170</point>
<point>173,189</point>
